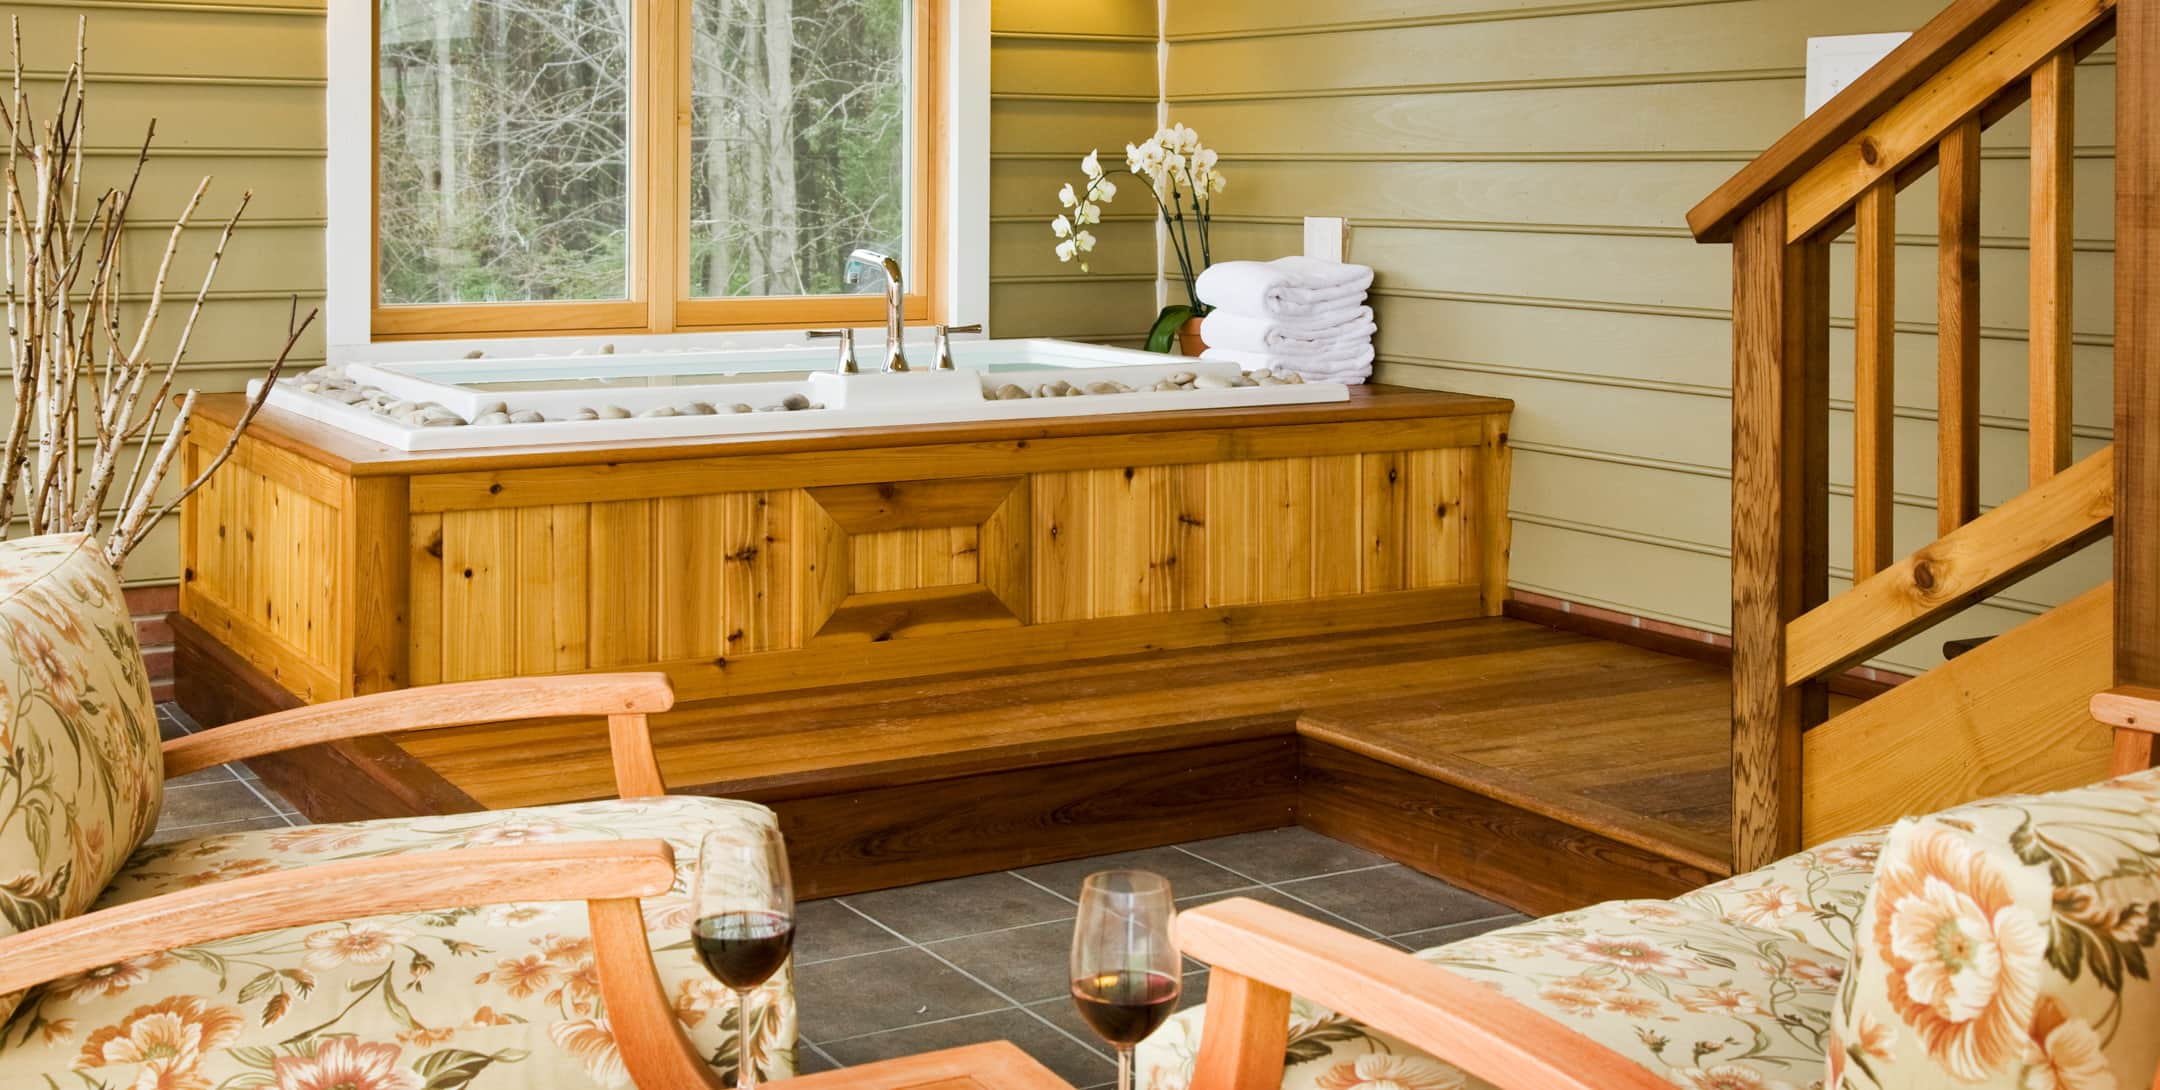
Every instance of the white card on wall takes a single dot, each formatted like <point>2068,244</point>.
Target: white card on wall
<point>1834,63</point>
<point>1324,237</point>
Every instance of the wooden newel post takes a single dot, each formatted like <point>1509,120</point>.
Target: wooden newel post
<point>2137,357</point>
<point>1780,568</point>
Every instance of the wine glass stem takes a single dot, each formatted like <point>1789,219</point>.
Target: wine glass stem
<point>745,1065</point>
<point>1124,1067</point>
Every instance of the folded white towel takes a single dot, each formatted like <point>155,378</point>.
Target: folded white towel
<point>1349,366</point>
<point>1340,329</point>
<point>1290,287</point>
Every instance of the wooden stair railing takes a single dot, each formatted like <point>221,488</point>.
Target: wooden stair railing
<point>1923,109</point>
<point>2034,529</point>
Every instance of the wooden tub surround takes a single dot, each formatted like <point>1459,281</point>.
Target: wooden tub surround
<point>757,564</point>
<point>940,651</point>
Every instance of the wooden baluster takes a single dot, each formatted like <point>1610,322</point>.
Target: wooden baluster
<point>2048,419</point>
<point>2137,355</point>
<point>1781,374</point>
<point>1874,379</point>
<point>1957,405</point>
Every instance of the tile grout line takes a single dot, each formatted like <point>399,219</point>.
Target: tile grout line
<point>812,1046</point>
<point>274,807</point>
<point>1371,931</point>
<point>1012,1003</point>
<point>1458,923</point>
<point>1046,889</point>
<point>1382,865</point>
<point>1342,873</point>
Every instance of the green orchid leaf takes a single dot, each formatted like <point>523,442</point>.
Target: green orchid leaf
<point>1163,336</point>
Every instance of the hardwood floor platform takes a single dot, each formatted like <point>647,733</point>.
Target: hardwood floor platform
<point>1539,767</point>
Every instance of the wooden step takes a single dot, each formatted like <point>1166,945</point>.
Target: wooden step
<point>1610,757</point>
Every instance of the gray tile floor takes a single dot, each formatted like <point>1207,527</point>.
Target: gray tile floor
<point>952,963</point>
<point>225,799</point>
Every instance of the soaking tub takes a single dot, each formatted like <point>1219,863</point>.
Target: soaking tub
<point>495,402</point>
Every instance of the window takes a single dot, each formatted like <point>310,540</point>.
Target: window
<point>572,166</point>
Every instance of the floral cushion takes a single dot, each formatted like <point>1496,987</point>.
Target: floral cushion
<point>488,996</point>
<point>1711,1002</point>
<point>1814,896</point>
<point>81,775</point>
<point>2010,944</point>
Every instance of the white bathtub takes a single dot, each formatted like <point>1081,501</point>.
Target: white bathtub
<point>558,387</point>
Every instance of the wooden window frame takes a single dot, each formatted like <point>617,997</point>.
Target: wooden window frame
<point>660,129</point>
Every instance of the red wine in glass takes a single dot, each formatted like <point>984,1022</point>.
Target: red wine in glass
<point>744,949</point>
<point>744,923</point>
<point>1124,960</point>
<point>1124,1007</point>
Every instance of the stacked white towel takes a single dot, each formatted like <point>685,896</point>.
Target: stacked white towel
<point>1297,314</point>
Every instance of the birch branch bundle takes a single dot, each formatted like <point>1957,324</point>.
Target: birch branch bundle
<point>86,387</point>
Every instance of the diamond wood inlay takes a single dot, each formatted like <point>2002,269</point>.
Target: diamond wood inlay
<point>912,558</point>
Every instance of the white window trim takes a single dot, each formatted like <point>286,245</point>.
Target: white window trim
<point>348,187</point>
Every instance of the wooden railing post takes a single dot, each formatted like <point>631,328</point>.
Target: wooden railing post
<point>1781,376</point>
<point>2054,139</point>
<point>1957,333</point>
<point>2137,357</point>
<point>1874,380</point>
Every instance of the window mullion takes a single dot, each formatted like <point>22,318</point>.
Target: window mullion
<point>662,231</point>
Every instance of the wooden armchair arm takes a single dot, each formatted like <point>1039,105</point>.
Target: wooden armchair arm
<point>625,699</point>
<point>609,875</point>
<point>1259,954</point>
<point>2134,712</point>
<point>419,882</point>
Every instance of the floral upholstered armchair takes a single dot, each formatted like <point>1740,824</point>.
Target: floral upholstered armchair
<point>2009,944</point>
<point>538,947</point>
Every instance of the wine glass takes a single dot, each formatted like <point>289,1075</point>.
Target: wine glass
<point>1124,962</point>
<point>745,923</point>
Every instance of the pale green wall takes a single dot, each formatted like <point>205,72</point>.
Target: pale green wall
<point>237,92</point>
<point>1518,172</point>
<point>1067,78</point>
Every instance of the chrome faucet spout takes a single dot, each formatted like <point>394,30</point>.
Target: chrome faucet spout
<point>895,305</point>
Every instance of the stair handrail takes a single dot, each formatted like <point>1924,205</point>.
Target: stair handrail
<point>1853,109</point>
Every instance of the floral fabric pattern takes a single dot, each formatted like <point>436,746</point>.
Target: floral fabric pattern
<point>2004,945</point>
<point>2010,944</point>
<point>486,997</point>
<point>1814,896</point>
<point>81,773</point>
<point>1711,1002</point>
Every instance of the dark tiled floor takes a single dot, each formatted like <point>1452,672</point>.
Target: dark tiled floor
<point>977,959</point>
<point>225,799</point>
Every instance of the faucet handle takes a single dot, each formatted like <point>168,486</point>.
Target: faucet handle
<point>944,342</point>
<point>847,346</point>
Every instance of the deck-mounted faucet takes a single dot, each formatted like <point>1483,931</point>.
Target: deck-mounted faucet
<point>895,296</point>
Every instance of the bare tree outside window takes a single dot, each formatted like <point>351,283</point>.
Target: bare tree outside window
<point>798,147</point>
<point>503,154</point>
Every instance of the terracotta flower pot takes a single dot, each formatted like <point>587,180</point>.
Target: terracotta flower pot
<point>1188,336</point>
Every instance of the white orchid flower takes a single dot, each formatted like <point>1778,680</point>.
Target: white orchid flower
<point>1106,190</point>
<point>1091,166</point>
<point>1216,182</point>
<point>1066,250</point>
<point>1090,213</point>
<point>1061,227</point>
<point>1067,197</point>
<point>1086,241</point>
